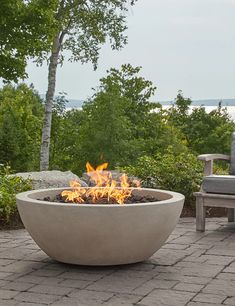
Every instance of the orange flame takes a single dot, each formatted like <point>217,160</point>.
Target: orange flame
<point>105,187</point>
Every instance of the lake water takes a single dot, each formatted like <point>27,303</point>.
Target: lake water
<point>231,109</point>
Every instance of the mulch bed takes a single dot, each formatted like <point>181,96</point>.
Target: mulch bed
<point>211,212</point>
<point>14,222</point>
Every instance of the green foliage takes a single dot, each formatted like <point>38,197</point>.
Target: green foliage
<point>202,132</point>
<point>26,29</point>
<point>179,112</point>
<point>116,125</point>
<point>130,85</point>
<point>106,129</point>
<point>29,28</point>
<point>21,112</point>
<point>83,26</point>
<point>119,125</point>
<point>80,27</point>
<point>65,136</point>
<point>9,187</point>
<point>181,173</point>
<point>209,132</point>
<point>148,126</point>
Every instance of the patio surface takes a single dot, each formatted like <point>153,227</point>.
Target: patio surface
<point>190,269</point>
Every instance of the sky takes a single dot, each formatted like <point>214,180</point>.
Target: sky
<point>186,45</point>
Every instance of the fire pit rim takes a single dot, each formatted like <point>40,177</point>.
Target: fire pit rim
<point>25,196</point>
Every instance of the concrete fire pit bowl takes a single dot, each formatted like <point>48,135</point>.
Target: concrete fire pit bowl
<point>91,234</point>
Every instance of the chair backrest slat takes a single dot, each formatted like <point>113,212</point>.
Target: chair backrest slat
<point>232,160</point>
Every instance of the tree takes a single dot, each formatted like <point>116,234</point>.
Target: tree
<point>115,118</point>
<point>43,29</point>
<point>119,124</point>
<point>201,131</point>
<point>149,131</point>
<point>82,27</point>
<point>133,87</point>
<point>106,131</point>
<point>21,114</point>
<point>179,111</point>
<point>23,28</point>
<point>209,132</point>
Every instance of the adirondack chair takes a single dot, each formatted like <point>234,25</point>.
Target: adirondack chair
<point>216,190</point>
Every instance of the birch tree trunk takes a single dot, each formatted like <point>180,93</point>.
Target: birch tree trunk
<point>46,130</point>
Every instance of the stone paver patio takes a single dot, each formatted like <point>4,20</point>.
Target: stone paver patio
<point>191,269</point>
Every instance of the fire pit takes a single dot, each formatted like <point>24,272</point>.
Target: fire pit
<point>99,234</point>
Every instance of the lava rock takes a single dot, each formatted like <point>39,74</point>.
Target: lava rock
<point>133,199</point>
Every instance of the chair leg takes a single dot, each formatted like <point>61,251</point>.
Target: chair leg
<point>200,215</point>
<point>231,215</point>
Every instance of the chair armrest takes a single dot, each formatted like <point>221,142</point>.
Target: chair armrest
<point>208,157</point>
<point>208,160</point>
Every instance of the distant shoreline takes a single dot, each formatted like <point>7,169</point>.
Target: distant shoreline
<point>208,102</point>
<point>73,103</point>
<point>209,108</point>
<point>230,109</point>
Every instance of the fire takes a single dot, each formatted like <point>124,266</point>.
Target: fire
<point>105,187</point>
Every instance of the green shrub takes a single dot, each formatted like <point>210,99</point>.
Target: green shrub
<point>21,115</point>
<point>201,131</point>
<point>9,187</point>
<point>181,173</point>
